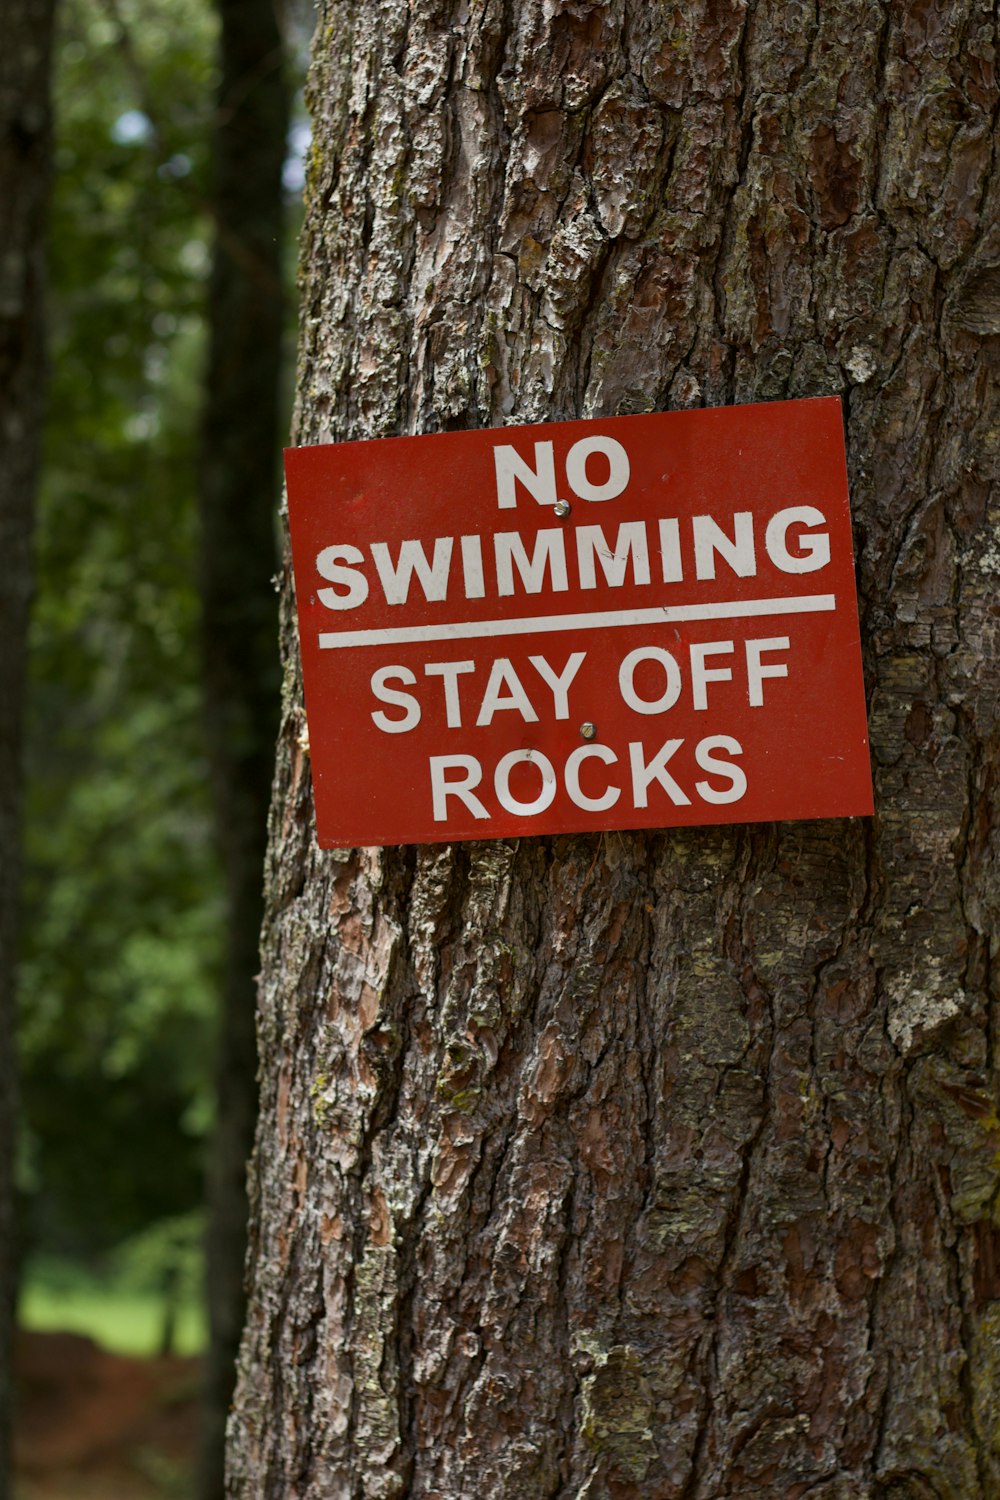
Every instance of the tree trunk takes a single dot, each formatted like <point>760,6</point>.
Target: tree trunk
<point>25,153</point>
<point>653,1165</point>
<point>237,478</point>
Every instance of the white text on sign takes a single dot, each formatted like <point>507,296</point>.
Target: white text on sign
<point>795,541</point>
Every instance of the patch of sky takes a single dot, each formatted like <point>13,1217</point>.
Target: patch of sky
<point>133,128</point>
<point>293,173</point>
<point>194,258</point>
<point>178,166</point>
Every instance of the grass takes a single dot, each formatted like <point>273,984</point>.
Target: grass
<point>60,1297</point>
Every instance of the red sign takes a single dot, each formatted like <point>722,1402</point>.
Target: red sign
<point>637,622</point>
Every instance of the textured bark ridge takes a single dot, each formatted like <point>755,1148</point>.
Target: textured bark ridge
<point>653,1166</point>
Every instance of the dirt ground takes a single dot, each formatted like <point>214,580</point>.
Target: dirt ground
<point>96,1426</point>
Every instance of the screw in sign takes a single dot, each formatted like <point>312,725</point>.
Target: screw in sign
<point>638,622</point>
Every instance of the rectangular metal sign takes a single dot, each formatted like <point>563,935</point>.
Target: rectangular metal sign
<point>633,622</point>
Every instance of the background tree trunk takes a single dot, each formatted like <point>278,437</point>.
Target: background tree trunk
<point>237,478</point>
<point>653,1166</point>
<point>25,153</point>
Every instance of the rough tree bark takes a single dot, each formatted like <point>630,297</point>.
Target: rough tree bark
<point>237,481</point>
<point>25,155</point>
<point>653,1166</point>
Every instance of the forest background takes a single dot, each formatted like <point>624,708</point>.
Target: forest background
<point>126,892</point>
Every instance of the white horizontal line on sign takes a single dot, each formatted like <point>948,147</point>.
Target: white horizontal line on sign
<point>667,614</point>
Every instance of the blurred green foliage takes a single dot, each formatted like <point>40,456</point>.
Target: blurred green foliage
<point>126,1305</point>
<point>122,915</point>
